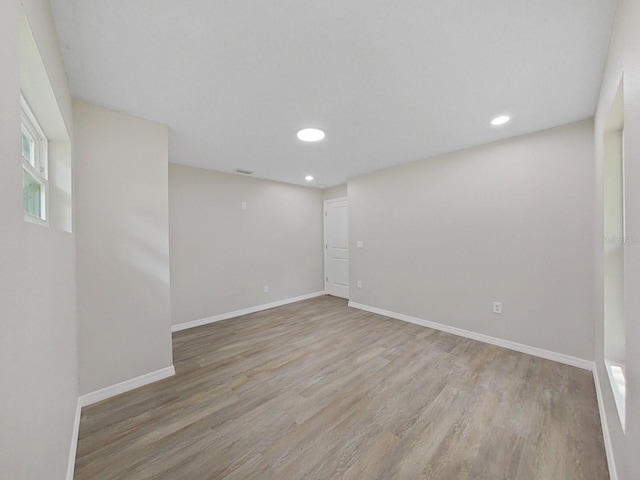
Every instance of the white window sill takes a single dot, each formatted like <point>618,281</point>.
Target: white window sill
<point>615,372</point>
<point>35,220</point>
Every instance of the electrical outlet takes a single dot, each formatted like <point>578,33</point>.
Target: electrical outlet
<point>244,205</point>
<point>359,283</point>
<point>266,289</point>
<point>360,244</point>
<point>497,307</point>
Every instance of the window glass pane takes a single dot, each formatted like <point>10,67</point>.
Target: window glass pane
<point>32,195</point>
<point>28,147</point>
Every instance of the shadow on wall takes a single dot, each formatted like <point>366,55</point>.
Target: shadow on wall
<point>146,249</point>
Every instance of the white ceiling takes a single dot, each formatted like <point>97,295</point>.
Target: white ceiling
<point>389,82</point>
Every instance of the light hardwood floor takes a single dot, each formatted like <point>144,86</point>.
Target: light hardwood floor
<point>317,390</point>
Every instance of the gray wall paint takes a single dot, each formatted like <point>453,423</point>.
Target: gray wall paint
<point>335,192</point>
<point>124,324</point>
<point>38,354</point>
<point>624,55</point>
<point>222,256</point>
<point>508,222</point>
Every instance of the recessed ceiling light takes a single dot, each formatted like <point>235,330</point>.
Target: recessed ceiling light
<point>310,134</point>
<point>501,120</point>
<point>308,178</point>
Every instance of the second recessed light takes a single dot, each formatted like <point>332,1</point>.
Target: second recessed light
<point>501,120</point>
<point>310,134</point>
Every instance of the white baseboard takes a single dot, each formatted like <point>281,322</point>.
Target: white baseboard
<point>74,442</point>
<point>244,311</point>
<point>499,342</point>
<point>608,447</point>
<point>125,386</point>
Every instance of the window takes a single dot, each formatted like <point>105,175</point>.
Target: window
<point>615,241</point>
<point>34,167</point>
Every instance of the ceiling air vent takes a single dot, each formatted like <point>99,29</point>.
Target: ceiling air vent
<point>244,172</point>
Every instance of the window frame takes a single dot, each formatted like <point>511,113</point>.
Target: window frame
<point>614,261</point>
<point>39,169</point>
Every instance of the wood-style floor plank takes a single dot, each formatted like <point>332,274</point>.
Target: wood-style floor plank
<point>318,390</point>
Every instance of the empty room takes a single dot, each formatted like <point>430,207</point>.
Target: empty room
<point>320,240</point>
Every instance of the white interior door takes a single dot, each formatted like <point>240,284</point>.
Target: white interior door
<point>336,244</point>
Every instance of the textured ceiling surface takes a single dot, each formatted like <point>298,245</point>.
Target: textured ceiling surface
<point>389,82</point>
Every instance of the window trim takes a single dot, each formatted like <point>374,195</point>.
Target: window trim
<point>614,203</point>
<point>39,170</point>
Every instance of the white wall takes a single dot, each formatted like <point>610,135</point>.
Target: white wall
<point>124,325</point>
<point>624,56</point>
<point>508,222</point>
<point>223,256</point>
<point>38,356</point>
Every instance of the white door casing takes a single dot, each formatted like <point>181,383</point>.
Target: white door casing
<point>336,244</point>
